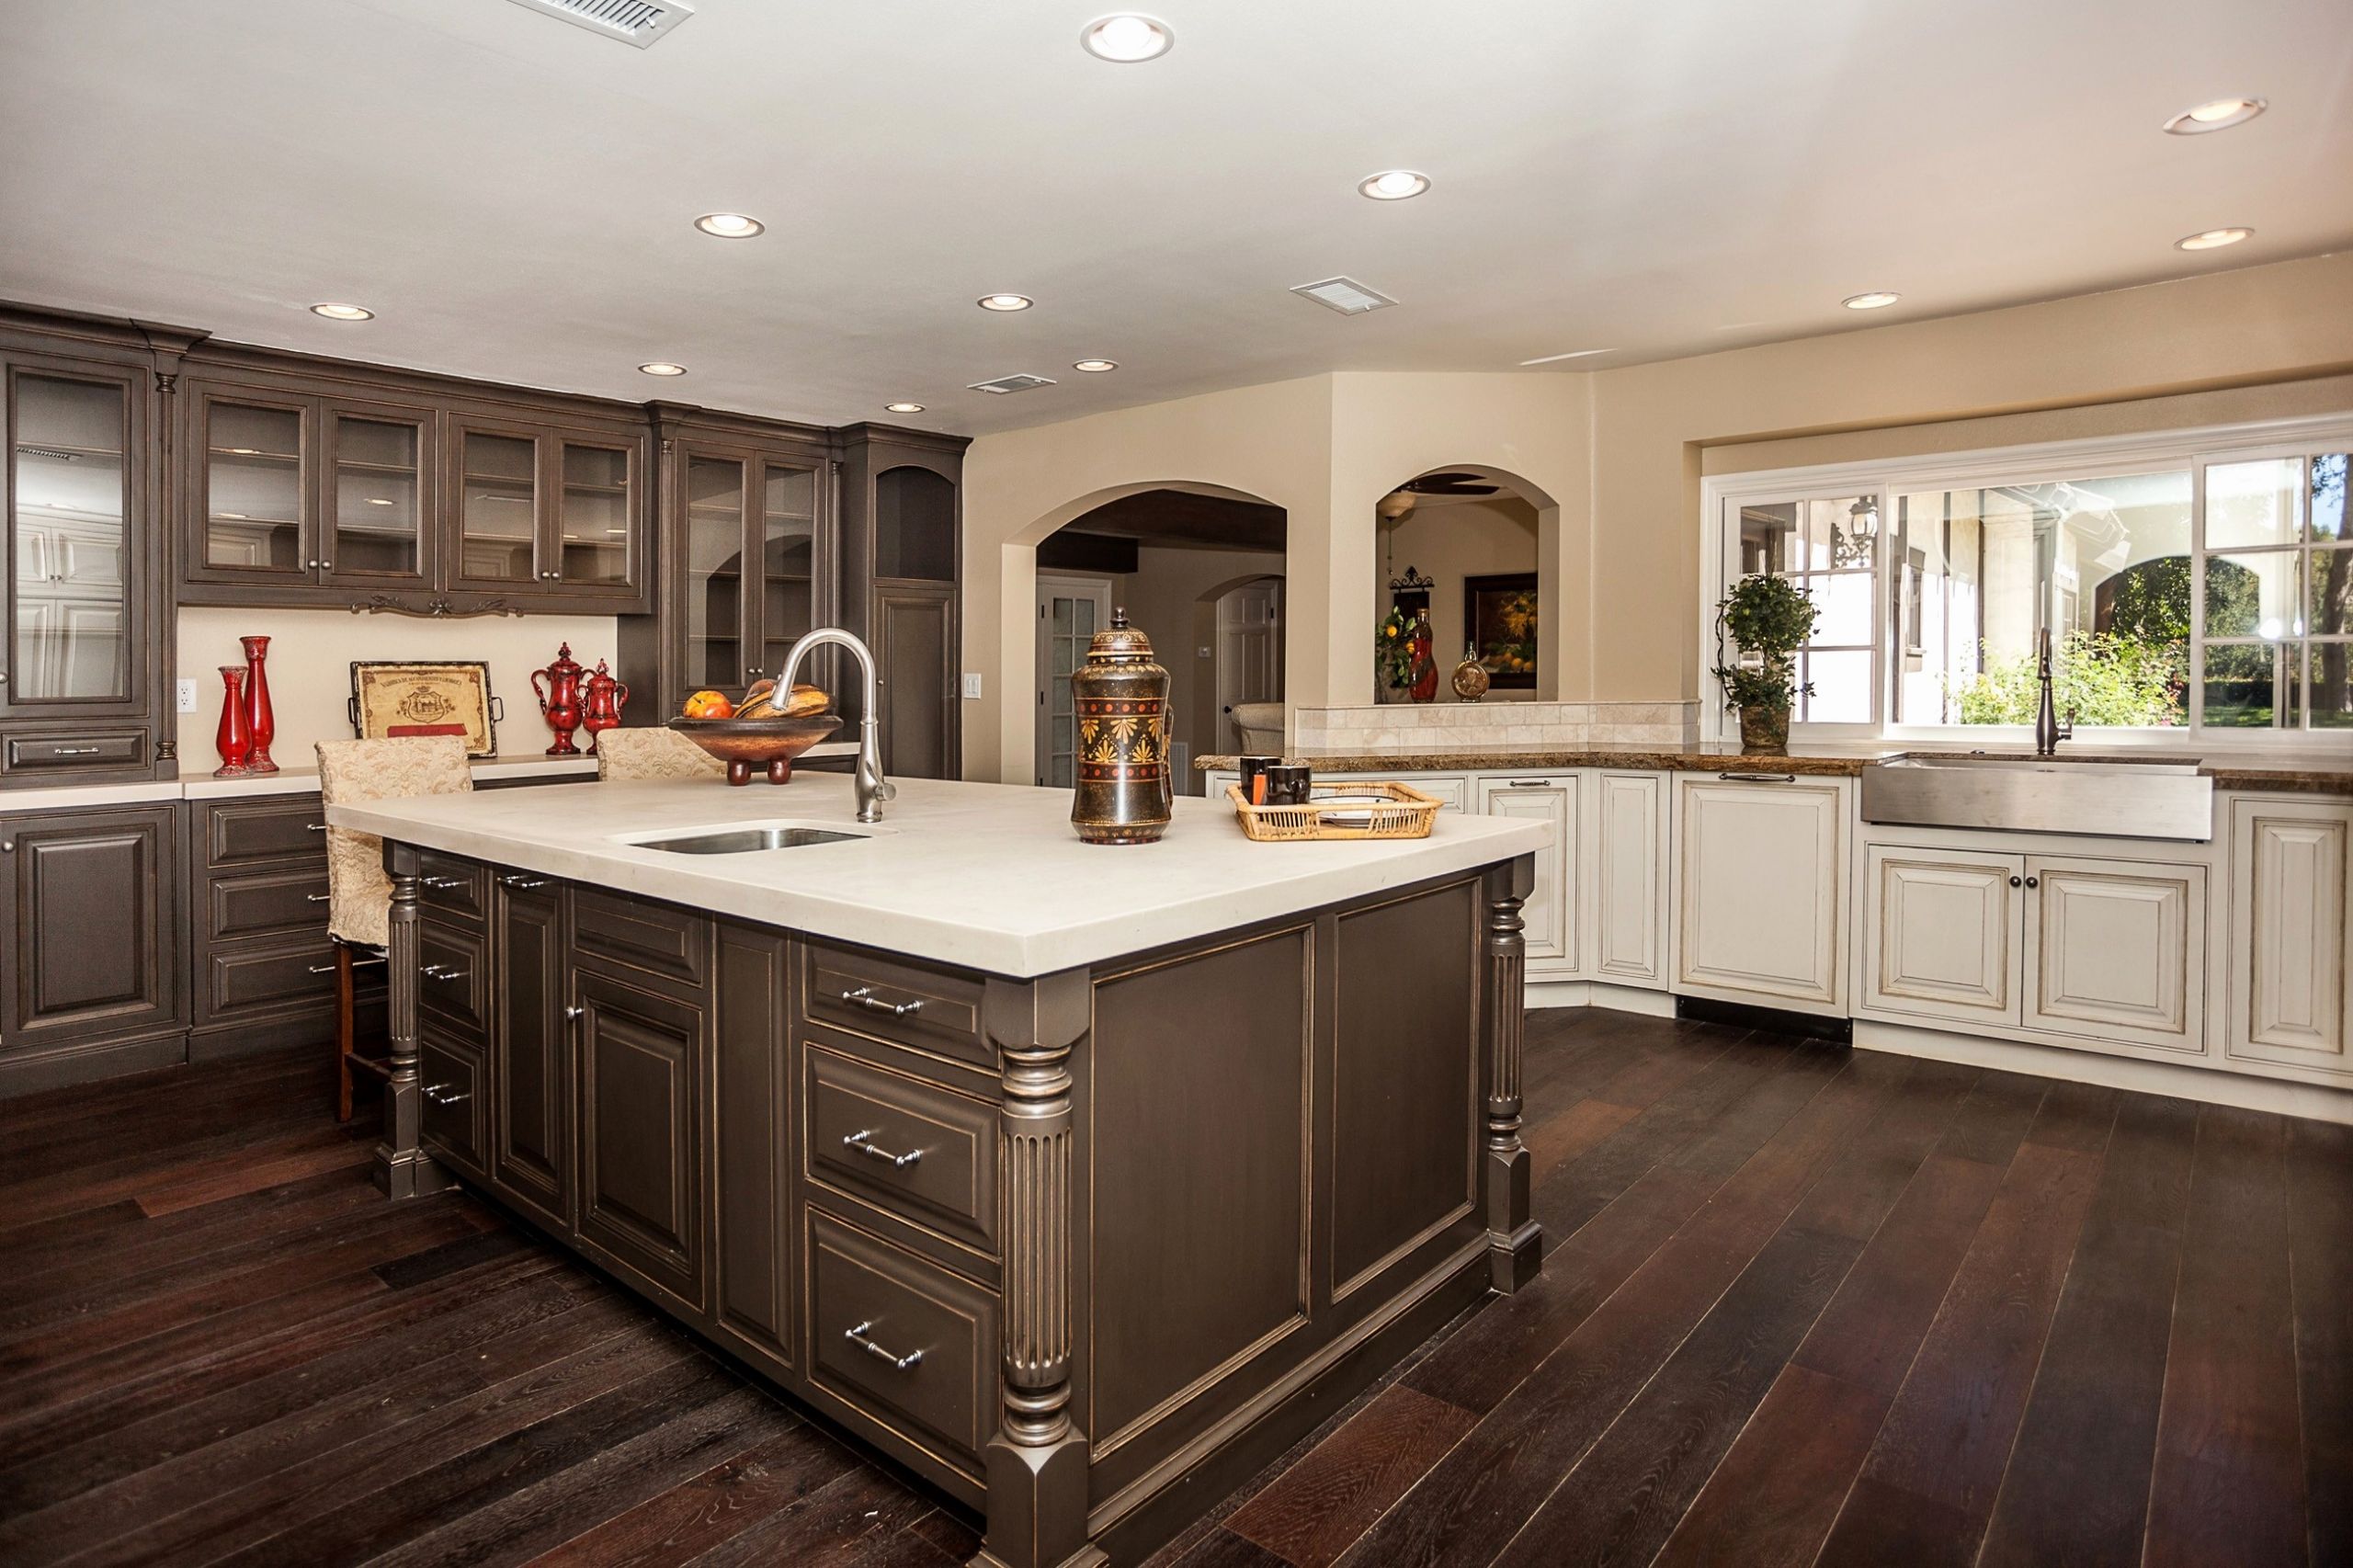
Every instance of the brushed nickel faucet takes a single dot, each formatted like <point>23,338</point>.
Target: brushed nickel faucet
<point>2048,731</point>
<point>872,788</point>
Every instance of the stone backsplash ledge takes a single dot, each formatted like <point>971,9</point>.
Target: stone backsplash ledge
<point>1500,725</point>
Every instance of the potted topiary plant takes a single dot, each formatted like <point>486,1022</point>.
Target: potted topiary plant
<point>1767,618</point>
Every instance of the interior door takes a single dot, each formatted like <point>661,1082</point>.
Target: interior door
<point>1070,611</point>
<point>1248,653</point>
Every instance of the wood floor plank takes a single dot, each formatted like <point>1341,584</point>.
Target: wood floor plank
<point>2076,1490</point>
<point>838,1525</point>
<point>1947,1436</point>
<point>2229,1476</point>
<point>730,1498</point>
<point>1324,1503</point>
<point>2320,1240</point>
<point>1772,1498</point>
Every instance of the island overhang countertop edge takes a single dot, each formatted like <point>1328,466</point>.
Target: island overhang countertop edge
<point>987,877</point>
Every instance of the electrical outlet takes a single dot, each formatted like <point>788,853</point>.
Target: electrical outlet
<point>187,694</point>
<point>971,686</point>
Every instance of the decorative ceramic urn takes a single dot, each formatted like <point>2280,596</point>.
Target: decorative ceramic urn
<point>1120,699</point>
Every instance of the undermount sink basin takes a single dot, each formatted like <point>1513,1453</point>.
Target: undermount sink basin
<point>746,840</point>
<point>2108,795</point>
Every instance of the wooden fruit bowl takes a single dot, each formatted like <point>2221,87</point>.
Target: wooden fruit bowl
<point>772,743</point>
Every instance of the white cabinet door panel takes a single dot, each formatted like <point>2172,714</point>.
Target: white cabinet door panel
<point>2116,950</point>
<point>1760,882</point>
<point>1941,929</point>
<point>1625,870</point>
<point>1550,914</point>
<point>2290,948</point>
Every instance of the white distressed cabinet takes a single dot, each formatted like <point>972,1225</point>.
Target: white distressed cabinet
<point>1624,872</point>
<point>2290,945</point>
<point>1555,948</point>
<point>1760,867</point>
<point>1941,933</point>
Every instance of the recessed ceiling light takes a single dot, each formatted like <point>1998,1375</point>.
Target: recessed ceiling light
<point>1572,354</point>
<point>729,225</point>
<point>662,367</point>
<point>1393,185</point>
<point>1095,367</point>
<point>2213,239</point>
<point>1004,301</point>
<point>903,408</point>
<point>343,312</point>
<point>2216,114</point>
<point>1877,300</point>
<point>1126,38</point>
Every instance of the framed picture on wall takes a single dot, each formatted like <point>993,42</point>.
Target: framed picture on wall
<point>1499,612</point>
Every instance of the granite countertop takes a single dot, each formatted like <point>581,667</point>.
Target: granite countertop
<point>2320,770</point>
<point>988,876</point>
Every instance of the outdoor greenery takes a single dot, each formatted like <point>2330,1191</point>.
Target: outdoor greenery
<point>2101,678</point>
<point>1768,619</point>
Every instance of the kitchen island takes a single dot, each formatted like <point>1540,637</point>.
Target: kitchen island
<point>1081,1180</point>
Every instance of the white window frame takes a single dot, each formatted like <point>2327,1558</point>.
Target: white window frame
<point>2191,449</point>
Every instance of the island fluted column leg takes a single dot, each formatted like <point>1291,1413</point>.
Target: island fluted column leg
<point>1037,1462</point>
<point>1515,1240</point>
<point>402,1167</point>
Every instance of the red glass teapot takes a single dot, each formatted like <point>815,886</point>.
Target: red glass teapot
<point>560,700</point>
<point>606,697</point>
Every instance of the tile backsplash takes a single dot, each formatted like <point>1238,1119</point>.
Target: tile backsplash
<point>1470,725</point>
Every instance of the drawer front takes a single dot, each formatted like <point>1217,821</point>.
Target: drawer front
<point>266,977</point>
<point>451,1079</point>
<point>451,887</point>
<point>452,982</point>
<point>659,939</point>
<point>910,1005</point>
<point>917,1151</point>
<point>910,1345</point>
<point>267,903</point>
<point>109,748</point>
<point>284,828</point>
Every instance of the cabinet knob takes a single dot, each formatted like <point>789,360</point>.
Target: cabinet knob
<point>575,1012</point>
<point>8,846</point>
<point>2016,881</point>
<point>2034,881</point>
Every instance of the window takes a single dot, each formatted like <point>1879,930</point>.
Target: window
<point>2203,583</point>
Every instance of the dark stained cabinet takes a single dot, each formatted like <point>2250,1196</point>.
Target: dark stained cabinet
<point>530,1045</point>
<point>751,1135</point>
<point>549,515</point>
<point>264,967</point>
<point>642,1058</point>
<point>901,537</point>
<point>915,660</point>
<point>91,906</point>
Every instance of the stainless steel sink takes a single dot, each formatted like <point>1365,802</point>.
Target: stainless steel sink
<point>745,840</point>
<point>2108,795</point>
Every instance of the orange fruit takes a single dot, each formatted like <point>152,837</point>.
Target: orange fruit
<point>708,705</point>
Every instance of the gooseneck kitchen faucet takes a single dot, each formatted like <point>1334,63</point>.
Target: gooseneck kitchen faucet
<point>2048,731</point>
<point>872,788</point>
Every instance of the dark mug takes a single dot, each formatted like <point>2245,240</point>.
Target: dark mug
<point>1287,783</point>
<point>1254,770</point>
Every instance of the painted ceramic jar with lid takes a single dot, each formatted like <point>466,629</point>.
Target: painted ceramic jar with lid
<point>1119,697</point>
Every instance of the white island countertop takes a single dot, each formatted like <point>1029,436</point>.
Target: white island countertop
<point>987,876</point>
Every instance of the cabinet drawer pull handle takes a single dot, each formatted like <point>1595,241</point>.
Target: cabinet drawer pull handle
<point>72,751</point>
<point>441,1094</point>
<point>1524,783</point>
<point>1759,777</point>
<point>2017,883</point>
<point>860,1141</point>
<point>315,826</point>
<point>864,997</point>
<point>322,968</point>
<point>317,897</point>
<point>857,1336</point>
<point>442,882</point>
<point>443,971</point>
<point>523,882</point>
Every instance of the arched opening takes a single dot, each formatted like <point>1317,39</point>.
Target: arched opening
<point>1460,572</point>
<point>1200,570</point>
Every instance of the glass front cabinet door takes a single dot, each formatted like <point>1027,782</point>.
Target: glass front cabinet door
<point>548,515</point>
<point>746,526</point>
<point>77,499</point>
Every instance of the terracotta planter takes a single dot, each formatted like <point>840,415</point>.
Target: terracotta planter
<point>1765,731</point>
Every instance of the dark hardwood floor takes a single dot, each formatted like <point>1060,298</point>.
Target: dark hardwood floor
<point>1800,1305</point>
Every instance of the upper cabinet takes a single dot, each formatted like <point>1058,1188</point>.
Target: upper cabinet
<point>749,548</point>
<point>321,484</point>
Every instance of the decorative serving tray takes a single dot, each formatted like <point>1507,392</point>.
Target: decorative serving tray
<point>1340,810</point>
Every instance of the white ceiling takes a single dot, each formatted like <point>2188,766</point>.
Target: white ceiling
<point>512,195</point>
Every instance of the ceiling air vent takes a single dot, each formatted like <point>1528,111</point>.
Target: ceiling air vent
<point>1344,295</point>
<point>1011,384</point>
<point>632,21</point>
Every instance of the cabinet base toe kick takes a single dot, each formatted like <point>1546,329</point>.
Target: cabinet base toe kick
<point>1083,1250</point>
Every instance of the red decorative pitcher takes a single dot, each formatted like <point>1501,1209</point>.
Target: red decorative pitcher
<point>560,700</point>
<point>606,697</point>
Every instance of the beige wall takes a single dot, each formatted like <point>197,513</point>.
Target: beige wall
<point>1163,595</point>
<point>1612,460</point>
<point>311,652</point>
<point>1449,542</point>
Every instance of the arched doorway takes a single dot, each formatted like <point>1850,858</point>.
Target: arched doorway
<point>1460,558</point>
<point>1168,554</point>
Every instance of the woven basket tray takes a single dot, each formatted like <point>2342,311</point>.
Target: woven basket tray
<point>1407,814</point>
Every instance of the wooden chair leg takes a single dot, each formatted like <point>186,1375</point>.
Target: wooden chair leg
<point>344,1027</point>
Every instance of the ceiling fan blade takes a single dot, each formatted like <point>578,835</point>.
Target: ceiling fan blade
<point>1450,485</point>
